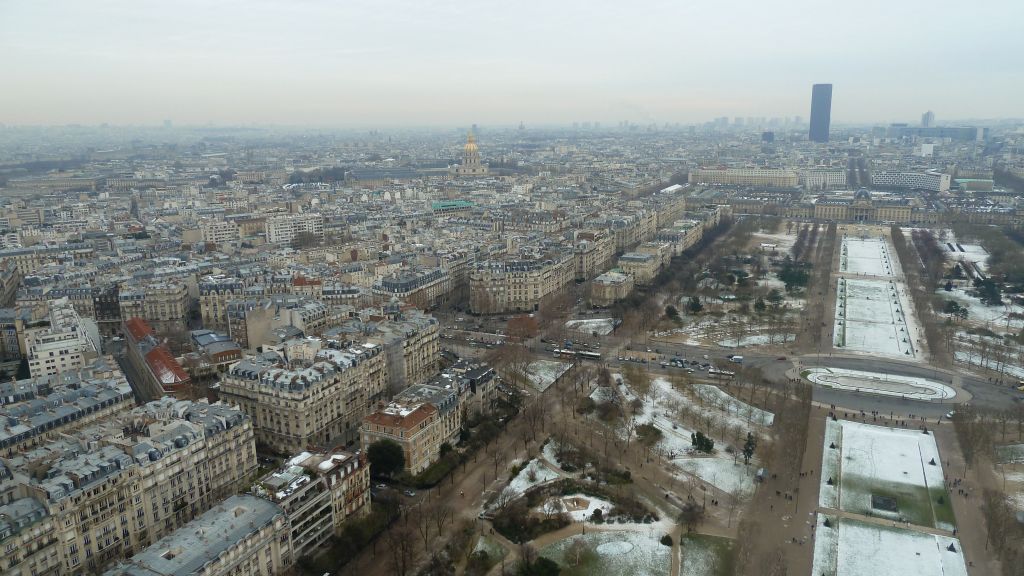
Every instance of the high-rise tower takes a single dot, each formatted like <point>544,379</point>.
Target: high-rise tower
<point>821,112</point>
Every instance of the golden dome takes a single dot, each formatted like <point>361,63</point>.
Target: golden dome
<point>470,146</point>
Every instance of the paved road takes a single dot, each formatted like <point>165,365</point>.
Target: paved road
<point>983,393</point>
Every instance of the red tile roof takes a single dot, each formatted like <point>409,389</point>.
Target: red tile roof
<point>165,368</point>
<point>137,328</point>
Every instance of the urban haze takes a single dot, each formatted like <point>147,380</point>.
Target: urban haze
<point>485,289</point>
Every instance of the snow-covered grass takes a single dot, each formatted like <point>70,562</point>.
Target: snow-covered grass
<point>542,475</point>
<point>967,253</point>
<point>601,326</point>
<point>617,553</point>
<point>543,373</point>
<point>660,408</point>
<point>494,550</point>
<point>549,451</point>
<point>720,399</point>
<point>703,555</point>
<point>757,340</point>
<point>976,358</point>
<point>831,462</point>
<point>1010,454</point>
<point>867,256</point>
<point>854,548</point>
<point>881,384</point>
<point>826,546</point>
<point>874,316</point>
<point>1001,318</point>
<point>902,464</point>
<point>721,472</point>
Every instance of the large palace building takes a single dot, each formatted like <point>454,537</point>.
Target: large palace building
<point>471,165</point>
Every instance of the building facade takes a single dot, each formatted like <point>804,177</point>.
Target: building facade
<point>319,403</point>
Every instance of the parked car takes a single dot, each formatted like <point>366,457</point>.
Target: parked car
<point>409,493</point>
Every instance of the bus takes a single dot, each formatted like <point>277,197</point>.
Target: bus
<point>583,354</point>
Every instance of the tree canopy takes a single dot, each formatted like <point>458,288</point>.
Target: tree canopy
<point>386,457</point>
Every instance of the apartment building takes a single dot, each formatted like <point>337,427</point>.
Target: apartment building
<point>62,343</point>
<point>593,252</point>
<point>298,404</point>
<point>250,322</point>
<point>318,493</point>
<point>218,231</point>
<point>442,395</point>
<point>412,345</point>
<point>242,536</point>
<point>214,295</point>
<point>641,266</point>
<point>425,288</point>
<point>769,177</point>
<point>29,260</point>
<point>284,228</point>
<point>37,410</point>
<point>681,235</point>
<point>414,428</point>
<point>610,287</point>
<point>118,485</point>
<point>519,285</point>
<point>10,279</point>
<point>163,305</point>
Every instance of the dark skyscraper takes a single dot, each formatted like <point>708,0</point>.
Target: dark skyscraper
<point>821,112</point>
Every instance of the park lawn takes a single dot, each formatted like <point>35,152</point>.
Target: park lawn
<point>614,553</point>
<point>944,517</point>
<point>703,555</point>
<point>917,504</point>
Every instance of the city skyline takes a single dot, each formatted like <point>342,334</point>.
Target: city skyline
<point>363,65</point>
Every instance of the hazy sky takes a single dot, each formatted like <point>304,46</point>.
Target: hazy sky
<point>362,63</point>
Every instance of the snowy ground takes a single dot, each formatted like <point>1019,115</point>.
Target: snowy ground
<point>543,373</point>
<point>491,547</point>
<point>620,553</point>
<point>874,316</point>
<point>521,483</point>
<point>967,253</point>
<point>1010,454</point>
<point>702,555</point>
<point>875,460</point>
<point>996,318</point>
<point>866,256</point>
<point>660,409</point>
<point>721,472</point>
<point>976,358</point>
<point>757,340</point>
<point>831,464</point>
<point>853,548</point>
<point>881,384</point>
<point>783,242</point>
<point>580,507</point>
<point>746,332</point>
<point>602,326</point>
<point>723,401</point>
